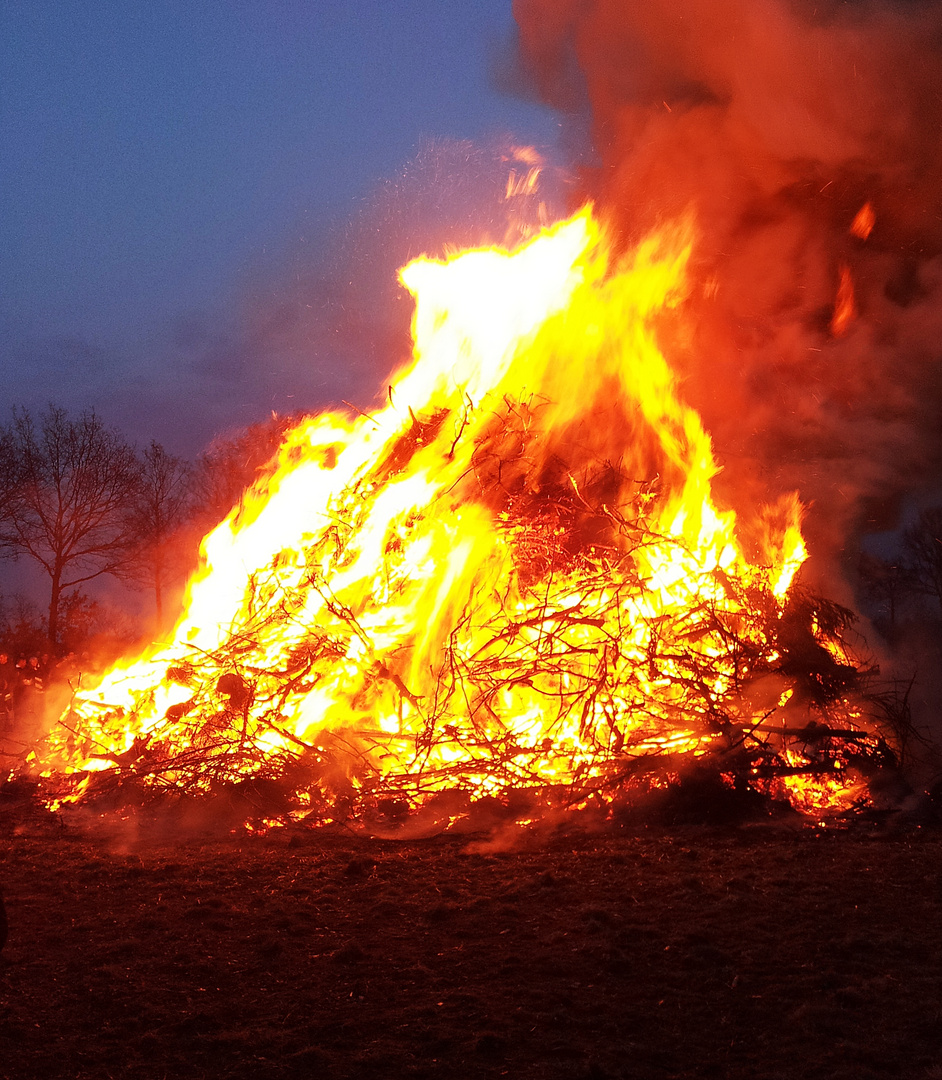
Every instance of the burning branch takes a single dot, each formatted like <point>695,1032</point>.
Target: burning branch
<point>498,603</point>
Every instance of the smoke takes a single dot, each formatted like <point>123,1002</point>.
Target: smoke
<point>332,322</point>
<point>775,123</point>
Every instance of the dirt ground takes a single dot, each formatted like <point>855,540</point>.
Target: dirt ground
<point>749,952</point>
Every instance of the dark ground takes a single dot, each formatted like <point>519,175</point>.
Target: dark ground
<point>751,952</point>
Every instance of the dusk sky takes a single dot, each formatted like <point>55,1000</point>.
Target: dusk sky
<point>200,199</point>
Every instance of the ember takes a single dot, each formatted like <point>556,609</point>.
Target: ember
<point>512,578</point>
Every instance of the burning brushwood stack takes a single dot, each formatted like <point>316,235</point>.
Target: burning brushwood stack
<point>511,578</point>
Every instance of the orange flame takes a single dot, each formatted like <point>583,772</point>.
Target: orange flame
<point>864,220</point>
<point>513,573</point>
<point>845,306</point>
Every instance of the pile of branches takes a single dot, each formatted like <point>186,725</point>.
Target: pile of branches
<point>602,732</point>
<point>629,698</point>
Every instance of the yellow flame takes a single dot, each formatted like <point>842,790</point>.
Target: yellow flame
<point>517,559</point>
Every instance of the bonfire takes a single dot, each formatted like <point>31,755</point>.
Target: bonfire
<point>511,582</point>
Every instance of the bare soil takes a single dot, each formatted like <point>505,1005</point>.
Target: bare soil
<point>749,952</point>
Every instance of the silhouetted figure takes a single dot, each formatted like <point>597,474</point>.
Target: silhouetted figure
<point>27,694</point>
<point>36,673</point>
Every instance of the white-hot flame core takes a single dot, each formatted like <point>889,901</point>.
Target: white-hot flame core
<point>388,553</point>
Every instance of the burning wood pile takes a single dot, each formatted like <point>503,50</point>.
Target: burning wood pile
<point>511,579</point>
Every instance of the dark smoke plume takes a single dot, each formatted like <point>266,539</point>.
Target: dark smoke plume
<point>776,123</point>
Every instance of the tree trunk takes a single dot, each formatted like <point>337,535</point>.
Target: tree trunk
<point>159,595</point>
<point>54,597</point>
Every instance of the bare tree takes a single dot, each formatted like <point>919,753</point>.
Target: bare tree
<point>922,547</point>
<point>887,584</point>
<point>230,465</point>
<point>69,509</point>
<point>159,510</point>
<point>9,484</point>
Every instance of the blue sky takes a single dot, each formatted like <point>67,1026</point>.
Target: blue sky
<point>177,174</point>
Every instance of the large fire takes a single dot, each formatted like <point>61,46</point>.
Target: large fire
<point>513,576</point>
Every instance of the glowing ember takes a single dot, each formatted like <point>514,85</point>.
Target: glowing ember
<point>512,576</point>
<point>864,220</point>
<point>845,307</point>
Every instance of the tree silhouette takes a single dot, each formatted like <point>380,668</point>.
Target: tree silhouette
<point>922,552</point>
<point>231,464</point>
<point>887,584</point>
<point>9,483</point>
<point>159,510</point>
<point>68,510</point>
